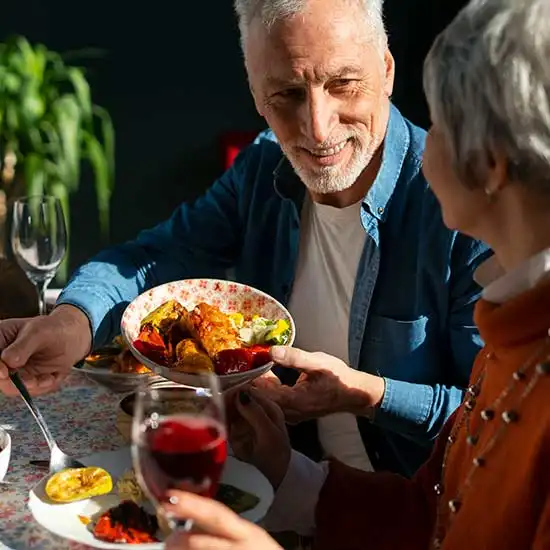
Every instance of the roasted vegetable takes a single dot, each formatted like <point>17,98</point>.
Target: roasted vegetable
<point>231,361</point>
<point>164,317</point>
<point>151,344</point>
<point>191,358</point>
<point>74,484</point>
<point>126,523</point>
<point>238,500</point>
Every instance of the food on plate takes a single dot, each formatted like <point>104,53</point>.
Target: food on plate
<point>128,487</point>
<point>117,358</point>
<point>74,484</point>
<point>238,500</point>
<point>126,523</point>
<point>191,358</point>
<point>206,339</point>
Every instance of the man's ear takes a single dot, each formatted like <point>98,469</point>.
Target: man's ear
<point>389,67</point>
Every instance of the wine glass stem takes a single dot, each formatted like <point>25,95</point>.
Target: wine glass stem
<point>41,291</point>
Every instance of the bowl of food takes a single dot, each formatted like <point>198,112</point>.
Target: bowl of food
<point>115,367</point>
<point>184,328</point>
<point>5,452</point>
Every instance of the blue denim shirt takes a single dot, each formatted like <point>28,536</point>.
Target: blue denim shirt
<point>411,314</point>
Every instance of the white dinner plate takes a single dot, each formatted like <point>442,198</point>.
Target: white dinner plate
<point>62,519</point>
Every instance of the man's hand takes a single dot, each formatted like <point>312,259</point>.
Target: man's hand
<point>216,526</point>
<point>258,435</point>
<point>326,385</point>
<point>43,349</point>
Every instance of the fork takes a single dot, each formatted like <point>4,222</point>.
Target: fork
<point>58,459</point>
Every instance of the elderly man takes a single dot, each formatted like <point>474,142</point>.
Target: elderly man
<point>328,212</point>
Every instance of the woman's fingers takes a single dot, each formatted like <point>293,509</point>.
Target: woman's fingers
<point>210,515</point>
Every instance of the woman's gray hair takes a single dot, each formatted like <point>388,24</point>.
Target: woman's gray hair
<point>487,82</point>
<point>272,11</point>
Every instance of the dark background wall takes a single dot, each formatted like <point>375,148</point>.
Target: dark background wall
<point>173,81</point>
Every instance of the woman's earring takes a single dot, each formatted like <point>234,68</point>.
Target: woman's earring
<point>489,194</point>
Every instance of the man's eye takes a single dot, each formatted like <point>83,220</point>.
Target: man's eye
<point>343,83</point>
<point>290,93</point>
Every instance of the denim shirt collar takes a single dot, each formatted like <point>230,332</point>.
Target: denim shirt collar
<point>286,182</point>
<point>395,147</point>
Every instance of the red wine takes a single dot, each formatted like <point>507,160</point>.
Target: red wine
<point>183,452</point>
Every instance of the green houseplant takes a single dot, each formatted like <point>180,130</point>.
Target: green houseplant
<point>48,127</point>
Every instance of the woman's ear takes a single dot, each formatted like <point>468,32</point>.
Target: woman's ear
<point>497,176</point>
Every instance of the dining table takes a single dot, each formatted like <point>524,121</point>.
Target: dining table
<point>82,416</point>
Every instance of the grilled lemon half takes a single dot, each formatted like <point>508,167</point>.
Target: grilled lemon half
<point>74,484</point>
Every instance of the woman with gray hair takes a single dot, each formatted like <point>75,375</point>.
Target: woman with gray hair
<point>487,483</point>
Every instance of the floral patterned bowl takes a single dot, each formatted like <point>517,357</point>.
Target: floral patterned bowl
<point>5,452</point>
<point>229,296</point>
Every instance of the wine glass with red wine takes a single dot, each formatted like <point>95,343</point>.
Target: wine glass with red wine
<point>179,440</point>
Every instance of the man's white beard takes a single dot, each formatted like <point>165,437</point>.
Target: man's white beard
<point>333,179</point>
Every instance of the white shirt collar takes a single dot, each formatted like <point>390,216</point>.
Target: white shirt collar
<point>500,287</point>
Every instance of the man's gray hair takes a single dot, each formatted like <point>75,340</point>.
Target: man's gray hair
<point>271,11</point>
<point>487,82</point>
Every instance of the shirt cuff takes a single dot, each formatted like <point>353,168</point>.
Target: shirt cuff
<point>95,308</point>
<point>293,508</point>
<point>405,406</point>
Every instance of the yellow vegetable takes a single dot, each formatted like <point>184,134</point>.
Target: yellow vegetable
<point>74,484</point>
<point>280,328</point>
<point>238,319</point>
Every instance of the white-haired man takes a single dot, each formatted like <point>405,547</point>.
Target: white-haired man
<point>328,212</point>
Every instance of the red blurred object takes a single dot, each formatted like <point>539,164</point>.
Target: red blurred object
<point>233,143</point>
<point>230,361</point>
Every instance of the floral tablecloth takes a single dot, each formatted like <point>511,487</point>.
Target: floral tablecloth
<point>82,417</point>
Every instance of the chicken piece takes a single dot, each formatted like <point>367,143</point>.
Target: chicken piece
<point>191,358</point>
<point>213,329</point>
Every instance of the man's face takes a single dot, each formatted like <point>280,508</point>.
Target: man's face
<point>323,86</point>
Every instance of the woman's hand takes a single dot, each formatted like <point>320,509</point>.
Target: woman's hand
<point>258,434</point>
<point>216,527</point>
<point>326,385</point>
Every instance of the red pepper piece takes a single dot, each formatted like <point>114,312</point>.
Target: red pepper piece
<point>260,355</point>
<point>150,344</point>
<point>230,361</point>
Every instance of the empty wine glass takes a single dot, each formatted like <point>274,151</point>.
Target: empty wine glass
<point>39,240</point>
<point>179,440</point>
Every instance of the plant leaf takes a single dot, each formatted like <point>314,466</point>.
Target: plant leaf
<point>99,162</point>
<point>108,134</point>
<point>82,90</point>
<point>35,176</point>
<point>67,120</point>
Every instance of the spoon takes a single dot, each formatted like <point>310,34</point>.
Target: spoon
<point>58,459</point>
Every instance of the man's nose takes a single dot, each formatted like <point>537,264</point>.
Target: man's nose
<point>318,116</point>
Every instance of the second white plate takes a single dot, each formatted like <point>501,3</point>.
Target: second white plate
<point>62,519</point>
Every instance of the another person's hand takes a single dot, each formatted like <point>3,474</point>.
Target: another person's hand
<point>43,349</point>
<point>326,385</point>
<point>258,435</point>
<point>218,527</point>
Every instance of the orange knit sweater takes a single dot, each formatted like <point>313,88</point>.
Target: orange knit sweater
<point>501,502</point>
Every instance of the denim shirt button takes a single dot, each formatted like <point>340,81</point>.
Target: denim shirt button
<point>381,210</point>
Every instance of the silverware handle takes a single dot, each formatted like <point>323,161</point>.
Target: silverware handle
<point>15,378</point>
